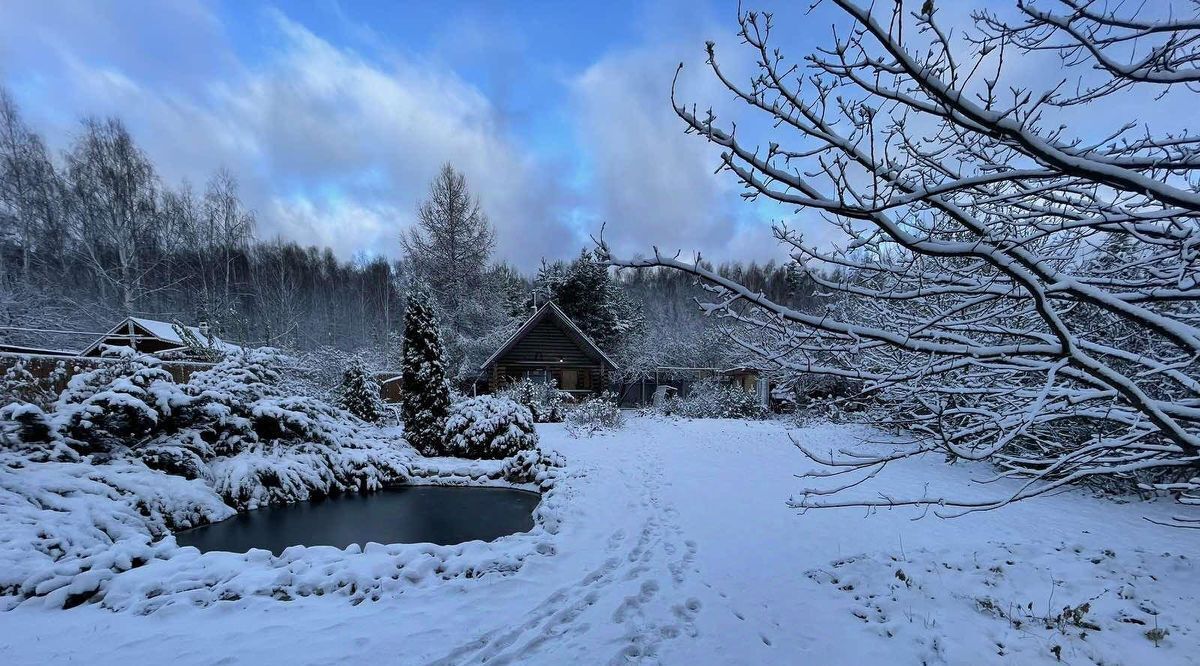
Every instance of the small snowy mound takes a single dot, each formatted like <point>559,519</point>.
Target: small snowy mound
<point>489,428</point>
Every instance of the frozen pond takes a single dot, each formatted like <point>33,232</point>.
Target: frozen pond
<point>407,514</point>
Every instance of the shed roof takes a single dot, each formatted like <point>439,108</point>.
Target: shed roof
<point>160,330</point>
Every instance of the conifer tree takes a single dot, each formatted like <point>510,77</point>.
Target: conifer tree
<point>359,392</point>
<point>591,298</point>
<point>425,399</point>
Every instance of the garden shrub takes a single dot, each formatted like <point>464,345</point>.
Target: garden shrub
<point>359,392</point>
<point>219,426</point>
<point>595,414</point>
<point>545,401</point>
<point>715,400</point>
<point>489,427</point>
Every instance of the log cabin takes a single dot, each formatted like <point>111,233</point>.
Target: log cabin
<point>550,347</point>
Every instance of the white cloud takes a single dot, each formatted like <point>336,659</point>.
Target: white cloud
<point>653,184</point>
<point>331,148</point>
<point>335,147</point>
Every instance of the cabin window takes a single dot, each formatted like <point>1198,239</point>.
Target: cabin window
<point>569,381</point>
<point>539,376</point>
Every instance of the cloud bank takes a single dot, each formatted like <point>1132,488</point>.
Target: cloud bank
<point>335,145</point>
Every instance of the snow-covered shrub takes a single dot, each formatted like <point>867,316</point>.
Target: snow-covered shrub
<point>359,392</point>
<point>27,426</point>
<point>715,400</point>
<point>232,425</point>
<point>69,527</point>
<point>261,445</point>
<point>532,466</point>
<point>544,400</point>
<point>123,401</point>
<point>18,384</point>
<point>24,399</point>
<point>595,414</point>
<point>425,395</point>
<point>489,427</point>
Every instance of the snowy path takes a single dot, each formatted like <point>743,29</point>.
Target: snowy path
<point>677,548</point>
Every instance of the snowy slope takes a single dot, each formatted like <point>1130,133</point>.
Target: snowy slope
<point>674,545</point>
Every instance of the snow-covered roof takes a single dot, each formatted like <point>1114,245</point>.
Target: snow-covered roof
<point>572,330</point>
<point>164,331</point>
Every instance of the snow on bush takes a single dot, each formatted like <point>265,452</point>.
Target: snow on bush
<point>18,384</point>
<point>714,400</point>
<point>595,414</point>
<point>545,401</point>
<point>489,427</point>
<point>108,408</point>
<point>220,426</point>
<point>66,528</point>
<point>359,392</point>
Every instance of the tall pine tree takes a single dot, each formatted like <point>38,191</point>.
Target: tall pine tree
<point>425,399</point>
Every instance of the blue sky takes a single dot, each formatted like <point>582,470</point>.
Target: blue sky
<point>334,114</point>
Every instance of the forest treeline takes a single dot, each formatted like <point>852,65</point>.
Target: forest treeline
<point>94,234</point>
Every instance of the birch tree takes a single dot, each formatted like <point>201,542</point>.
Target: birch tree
<point>27,186</point>
<point>1018,289</point>
<point>115,192</point>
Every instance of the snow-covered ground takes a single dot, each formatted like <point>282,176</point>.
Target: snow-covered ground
<point>676,547</point>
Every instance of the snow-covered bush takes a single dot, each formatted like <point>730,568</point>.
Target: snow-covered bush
<point>544,400</point>
<point>595,414</point>
<point>123,401</point>
<point>232,425</point>
<point>489,427</point>
<point>714,400</point>
<point>533,466</point>
<point>359,392</point>
<point>18,384</point>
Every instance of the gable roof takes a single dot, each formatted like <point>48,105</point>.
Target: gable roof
<point>159,330</point>
<point>551,310</point>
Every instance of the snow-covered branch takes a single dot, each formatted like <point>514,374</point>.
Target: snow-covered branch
<point>1021,295</point>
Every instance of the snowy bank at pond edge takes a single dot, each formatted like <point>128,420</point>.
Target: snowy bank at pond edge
<point>75,532</point>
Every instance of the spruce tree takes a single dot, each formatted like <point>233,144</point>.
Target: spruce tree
<point>592,299</point>
<point>425,399</point>
<point>359,392</point>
